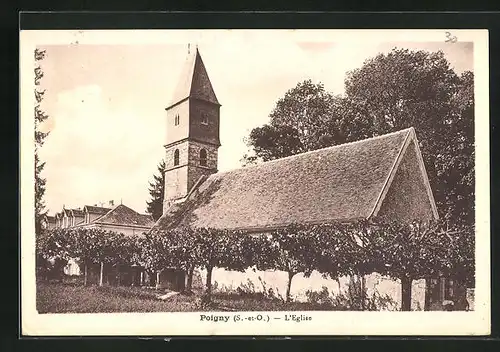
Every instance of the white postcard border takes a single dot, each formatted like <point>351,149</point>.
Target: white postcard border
<point>322,323</point>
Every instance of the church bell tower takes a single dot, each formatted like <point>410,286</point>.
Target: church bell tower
<point>192,141</point>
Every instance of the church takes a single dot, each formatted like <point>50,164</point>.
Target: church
<point>380,177</point>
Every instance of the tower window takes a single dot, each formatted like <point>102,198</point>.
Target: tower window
<point>203,157</point>
<point>176,157</point>
<point>176,120</point>
<point>204,119</point>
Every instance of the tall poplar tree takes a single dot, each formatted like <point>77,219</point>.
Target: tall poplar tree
<point>40,117</point>
<point>156,190</point>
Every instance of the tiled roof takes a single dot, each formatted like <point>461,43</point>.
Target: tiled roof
<point>77,212</point>
<point>343,182</point>
<point>194,81</point>
<point>96,210</point>
<point>50,218</point>
<point>123,215</point>
<point>81,222</point>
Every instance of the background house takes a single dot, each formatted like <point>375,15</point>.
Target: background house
<point>119,218</point>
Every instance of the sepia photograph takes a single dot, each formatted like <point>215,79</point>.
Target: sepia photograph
<point>208,182</point>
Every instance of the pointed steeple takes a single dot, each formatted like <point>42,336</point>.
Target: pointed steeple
<point>194,81</point>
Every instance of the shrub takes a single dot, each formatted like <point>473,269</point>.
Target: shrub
<point>350,301</point>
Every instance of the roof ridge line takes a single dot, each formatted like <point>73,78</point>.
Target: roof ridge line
<point>103,215</point>
<point>315,151</point>
<point>193,189</point>
<point>425,176</point>
<point>99,219</point>
<point>392,171</point>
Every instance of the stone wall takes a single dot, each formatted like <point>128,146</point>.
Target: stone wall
<point>225,280</point>
<point>183,148</point>
<point>181,178</point>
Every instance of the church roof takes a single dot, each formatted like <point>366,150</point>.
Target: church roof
<point>194,81</point>
<point>124,216</point>
<point>339,183</point>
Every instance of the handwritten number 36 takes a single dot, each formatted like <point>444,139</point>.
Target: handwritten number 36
<point>450,38</point>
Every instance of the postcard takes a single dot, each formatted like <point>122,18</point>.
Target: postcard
<point>254,182</point>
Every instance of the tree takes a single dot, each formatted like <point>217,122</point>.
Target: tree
<point>215,248</point>
<point>418,250</point>
<point>53,251</point>
<point>93,246</point>
<point>156,190</point>
<point>161,249</point>
<point>291,249</point>
<point>117,250</point>
<point>341,253</point>
<point>455,163</point>
<point>89,246</point>
<point>306,118</point>
<point>40,117</point>
<point>389,92</point>
<point>86,241</point>
<point>155,253</point>
<point>183,253</point>
<point>419,89</point>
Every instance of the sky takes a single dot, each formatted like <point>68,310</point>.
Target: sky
<point>106,104</point>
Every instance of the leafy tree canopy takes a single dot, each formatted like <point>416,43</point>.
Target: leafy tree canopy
<point>39,117</point>
<point>388,93</point>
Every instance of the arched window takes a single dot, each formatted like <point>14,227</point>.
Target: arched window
<point>203,157</point>
<point>176,157</point>
<point>204,118</point>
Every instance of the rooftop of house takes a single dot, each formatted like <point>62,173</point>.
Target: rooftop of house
<point>95,209</point>
<point>338,183</point>
<point>120,215</point>
<point>125,216</point>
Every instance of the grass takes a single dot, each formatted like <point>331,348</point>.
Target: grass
<point>64,298</point>
<point>71,297</point>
